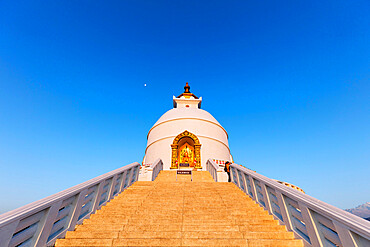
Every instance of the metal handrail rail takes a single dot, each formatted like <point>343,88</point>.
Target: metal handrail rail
<point>42,222</point>
<point>212,167</point>
<point>157,166</point>
<point>314,221</point>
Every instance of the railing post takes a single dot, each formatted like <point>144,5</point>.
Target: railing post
<point>122,187</point>
<point>267,198</point>
<point>247,188</point>
<point>212,169</point>
<point>112,186</point>
<point>131,175</point>
<point>231,175</point>
<point>244,182</point>
<point>232,171</point>
<point>253,188</point>
<point>47,224</point>
<point>6,233</point>
<point>284,211</point>
<point>136,174</point>
<point>154,170</point>
<point>77,206</point>
<point>120,182</point>
<point>99,191</point>
<point>345,235</point>
<point>310,225</point>
<point>128,177</point>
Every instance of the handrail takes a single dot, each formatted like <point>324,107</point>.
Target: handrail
<point>212,167</point>
<point>157,166</point>
<point>40,223</point>
<point>316,222</point>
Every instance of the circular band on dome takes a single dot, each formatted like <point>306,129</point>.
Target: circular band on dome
<point>174,136</point>
<point>182,118</point>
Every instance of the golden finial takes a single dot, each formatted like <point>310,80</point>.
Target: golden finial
<point>187,93</point>
<point>187,88</point>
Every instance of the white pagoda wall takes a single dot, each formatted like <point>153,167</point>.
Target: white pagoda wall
<point>212,137</point>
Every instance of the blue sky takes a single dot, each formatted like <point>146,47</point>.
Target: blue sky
<point>288,80</point>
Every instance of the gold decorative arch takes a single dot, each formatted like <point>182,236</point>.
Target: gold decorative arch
<point>175,149</point>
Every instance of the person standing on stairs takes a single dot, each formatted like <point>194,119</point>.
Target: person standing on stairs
<point>227,170</point>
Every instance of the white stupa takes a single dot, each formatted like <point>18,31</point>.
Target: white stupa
<point>186,136</point>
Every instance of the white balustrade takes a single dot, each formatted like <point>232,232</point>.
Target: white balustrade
<point>212,167</point>
<point>40,223</point>
<point>314,221</point>
<point>156,167</point>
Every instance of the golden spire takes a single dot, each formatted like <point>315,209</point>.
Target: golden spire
<point>187,93</point>
<point>187,88</point>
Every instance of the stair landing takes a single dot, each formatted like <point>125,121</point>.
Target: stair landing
<point>167,212</point>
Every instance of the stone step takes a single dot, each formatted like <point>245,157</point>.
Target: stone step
<point>249,222</point>
<point>258,217</point>
<point>208,223</point>
<point>159,218</point>
<point>109,220</point>
<point>223,217</point>
<point>274,243</point>
<point>268,235</point>
<point>155,221</point>
<point>223,213</point>
<point>155,227</point>
<point>210,228</point>
<point>150,234</point>
<point>179,242</point>
<point>213,242</point>
<point>138,217</point>
<point>84,242</point>
<point>100,227</point>
<point>198,208</point>
<point>172,213</point>
<point>213,234</point>
<point>262,228</point>
<point>183,213</point>
<point>92,234</point>
<point>117,212</point>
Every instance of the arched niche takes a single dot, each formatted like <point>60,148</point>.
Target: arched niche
<point>186,142</point>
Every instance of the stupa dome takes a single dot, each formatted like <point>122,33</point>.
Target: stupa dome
<point>186,113</point>
<point>186,135</point>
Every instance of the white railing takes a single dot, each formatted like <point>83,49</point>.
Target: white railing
<point>212,167</point>
<point>40,223</point>
<point>156,167</point>
<point>316,222</point>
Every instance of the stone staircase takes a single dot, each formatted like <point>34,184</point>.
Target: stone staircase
<point>167,212</point>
